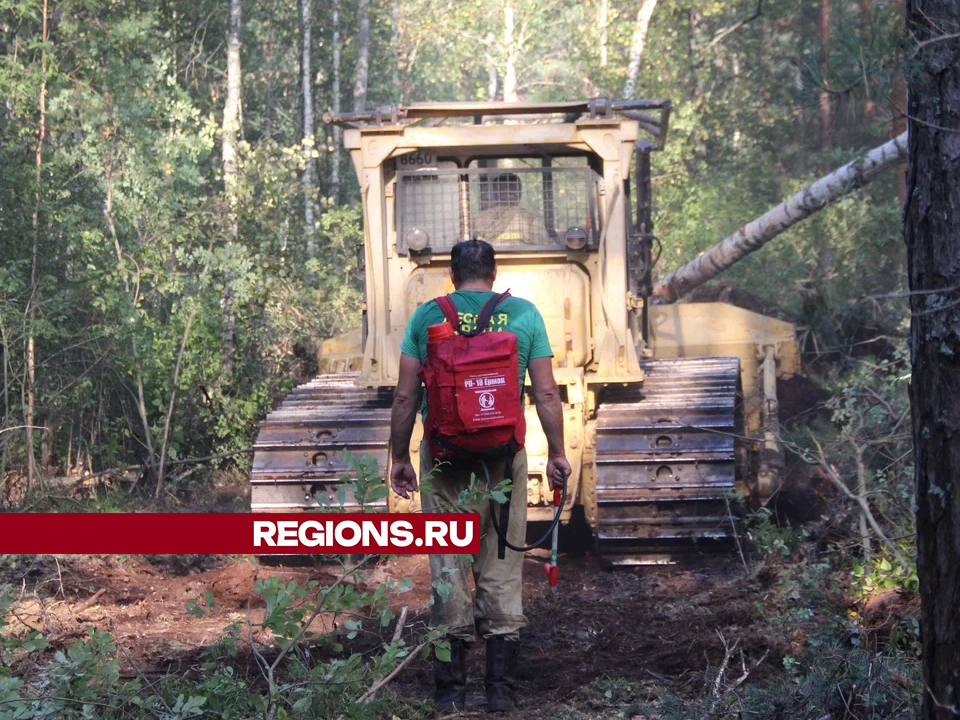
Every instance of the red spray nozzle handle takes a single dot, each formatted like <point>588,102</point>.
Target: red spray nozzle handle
<point>552,573</point>
<point>558,491</point>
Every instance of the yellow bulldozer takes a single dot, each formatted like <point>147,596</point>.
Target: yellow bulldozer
<point>669,409</point>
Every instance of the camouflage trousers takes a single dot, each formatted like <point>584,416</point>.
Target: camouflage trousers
<point>497,607</point>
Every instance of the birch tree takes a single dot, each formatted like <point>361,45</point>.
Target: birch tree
<point>308,145</point>
<point>363,57</point>
<point>640,29</point>
<point>30,384</point>
<point>513,40</point>
<point>603,19</point>
<point>230,139</point>
<point>492,77</point>
<point>395,44</point>
<point>797,207</point>
<point>337,132</point>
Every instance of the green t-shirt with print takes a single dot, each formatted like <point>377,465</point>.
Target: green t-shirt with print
<point>514,314</point>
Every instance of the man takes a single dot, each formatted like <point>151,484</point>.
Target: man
<point>496,613</point>
<point>502,220</point>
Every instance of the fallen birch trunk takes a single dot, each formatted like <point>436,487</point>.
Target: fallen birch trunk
<point>803,204</point>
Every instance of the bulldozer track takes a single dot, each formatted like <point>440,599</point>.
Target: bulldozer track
<point>666,460</point>
<point>666,454</point>
<point>298,452</point>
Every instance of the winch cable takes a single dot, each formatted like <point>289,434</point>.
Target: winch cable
<point>502,534</point>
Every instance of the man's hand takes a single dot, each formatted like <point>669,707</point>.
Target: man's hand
<point>403,478</point>
<point>406,400</point>
<point>558,469</point>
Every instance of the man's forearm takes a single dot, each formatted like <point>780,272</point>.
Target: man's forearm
<point>403,416</point>
<point>550,412</point>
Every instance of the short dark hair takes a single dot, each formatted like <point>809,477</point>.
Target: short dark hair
<point>472,260</point>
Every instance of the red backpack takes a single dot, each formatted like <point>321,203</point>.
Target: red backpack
<point>473,389</point>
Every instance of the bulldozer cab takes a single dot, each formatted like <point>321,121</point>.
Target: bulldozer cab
<point>548,185</point>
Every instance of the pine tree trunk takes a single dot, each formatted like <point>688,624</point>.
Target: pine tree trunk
<point>511,54</point>
<point>309,144</point>
<point>230,140</point>
<point>826,106</point>
<point>335,161</point>
<point>799,206</point>
<point>363,57</point>
<point>640,28</point>
<point>931,217</point>
<point>31,359</point>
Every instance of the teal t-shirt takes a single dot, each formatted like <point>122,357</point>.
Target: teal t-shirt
<point>514,314</point>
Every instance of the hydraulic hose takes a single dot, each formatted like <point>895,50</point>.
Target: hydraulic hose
<point>502,534</point>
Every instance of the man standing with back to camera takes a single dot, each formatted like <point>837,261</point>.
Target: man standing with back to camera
<point>496,613</point>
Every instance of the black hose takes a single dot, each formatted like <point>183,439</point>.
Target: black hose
<point>502,534</point>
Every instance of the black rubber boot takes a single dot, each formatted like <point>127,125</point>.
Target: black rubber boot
<point>502,656</point>
<point>451,677</point>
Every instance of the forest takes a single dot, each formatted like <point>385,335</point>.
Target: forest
<point>179,231</point>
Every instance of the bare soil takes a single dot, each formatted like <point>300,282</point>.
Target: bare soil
<point>647,625</point>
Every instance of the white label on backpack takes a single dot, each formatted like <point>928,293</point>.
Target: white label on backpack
<point>478,398</point>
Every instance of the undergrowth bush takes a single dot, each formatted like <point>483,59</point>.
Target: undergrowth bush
<point>301,673</point>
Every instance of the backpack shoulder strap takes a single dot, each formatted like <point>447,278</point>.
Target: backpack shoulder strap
<point>449,310</point>
<point>488,309</point>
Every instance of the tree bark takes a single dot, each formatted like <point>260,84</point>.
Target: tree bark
<point>309,144</point>
<point>31,358</point>
<point>230,140</point>
<point>363,57</point>
<point>757,233</point>
<point>640,28</point>
<point>931,218</point>
<point>511,53</point>
<point>335,170</point>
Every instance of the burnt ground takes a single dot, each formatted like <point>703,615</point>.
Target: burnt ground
<point>647,626</point>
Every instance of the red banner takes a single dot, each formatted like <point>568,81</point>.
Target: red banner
<point>242,534</point>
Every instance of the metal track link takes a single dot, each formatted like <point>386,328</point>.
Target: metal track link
<point>666,460</point>
<point>298,450</point>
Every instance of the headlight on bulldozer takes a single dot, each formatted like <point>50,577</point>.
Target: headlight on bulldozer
<point>417,239</point>
<point>575,238</point>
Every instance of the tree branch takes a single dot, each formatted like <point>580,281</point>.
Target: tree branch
<point>736,26</point>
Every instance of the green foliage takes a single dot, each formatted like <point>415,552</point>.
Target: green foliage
<point>885,573</point>
<point>84,680</point>
<point>306,673</point>
<point>869,686</point>
<point>771,539</point>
